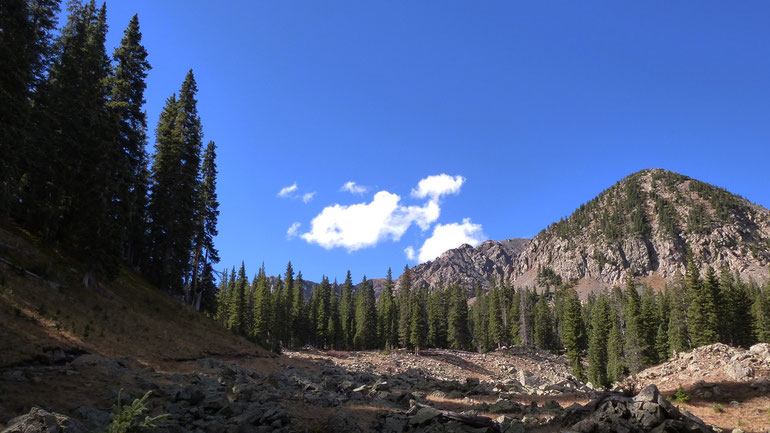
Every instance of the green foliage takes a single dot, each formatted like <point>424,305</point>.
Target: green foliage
<point>574,334</point>
<point>597,346</point>
<point>717,408</point>
<point>128,418</point>
<point>365,317</point>
<point>681,396</point>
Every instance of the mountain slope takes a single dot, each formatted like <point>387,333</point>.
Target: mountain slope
<point>645,223</point>
<point>44,307</point>
<point>468,265</point>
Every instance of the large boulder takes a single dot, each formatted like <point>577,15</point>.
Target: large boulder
<point>737,371</point>
<point>648,411</point>
<point>41,421</point>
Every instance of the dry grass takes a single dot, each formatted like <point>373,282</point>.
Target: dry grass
<point>44,306</point>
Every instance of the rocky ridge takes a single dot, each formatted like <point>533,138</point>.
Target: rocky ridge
<point>645,223</point>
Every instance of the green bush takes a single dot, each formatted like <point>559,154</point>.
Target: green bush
<point>127,418</point>
<point>681,396</point>
<point>718,408</point>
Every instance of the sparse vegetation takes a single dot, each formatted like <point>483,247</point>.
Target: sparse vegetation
<point>128,418</point>
<point>681,396</point>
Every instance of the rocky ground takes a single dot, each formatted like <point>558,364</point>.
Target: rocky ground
<point>510,390</point>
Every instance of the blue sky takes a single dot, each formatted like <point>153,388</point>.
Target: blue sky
<point>529,108</point>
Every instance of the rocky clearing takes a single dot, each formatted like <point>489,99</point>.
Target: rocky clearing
<point>510,390</point>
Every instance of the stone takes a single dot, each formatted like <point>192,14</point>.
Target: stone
<point>551,405</point>
<point>95,360</point>
<point>40,420</point>
<point>471,382</point>
<point>649,394</point>
<point>424,415</point>
<point>341,421</point>
<point>394,424</point>
<point>737,371</point>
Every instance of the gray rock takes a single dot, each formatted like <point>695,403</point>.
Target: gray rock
<point>394,424</point>
<point>95,360</point>
<point>424,415</point>
<point>95,418</point>
<point>341,421</point>
<point>39,420</point>
<point>738,371</point>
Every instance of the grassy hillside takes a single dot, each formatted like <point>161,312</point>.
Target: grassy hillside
<point>44,306</point>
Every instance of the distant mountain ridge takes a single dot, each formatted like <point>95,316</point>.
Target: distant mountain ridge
<point>643,224</point>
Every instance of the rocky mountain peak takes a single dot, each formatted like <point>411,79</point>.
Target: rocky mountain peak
<point>644,224</point>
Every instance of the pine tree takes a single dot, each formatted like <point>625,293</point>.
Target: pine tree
<point>262,307</point>
<point>387,315</point>
<point>287,301</point>
<point>404,295</point>
<point>347,313</point>
<point>498,333</point>
<point>321,302</point>
<point>72,152</point>
<point>458,329</point>
<point>514,318</point>
<point>437,318</point>
<point>648,326</point>
<point>734,311</point>
<point>633,336</point>
<point>597,345</point>
<point>127,85</point>
<point>299,314</point>
<point>762,314</point>
<point>238,309</point>
<point>208,213</point>
<point>616,364</point>
<point>543,325</point>
<point>174,199</point>
<point>574,334</point>
<point>280,330</point>
<point>701,312</point>
<point>366,317</point>
<point>334,327</point>
<point>662,346</point>
<point>480,322</point>
<point>223,309</point>
<point>26,29</point>
<point>418,320</point>
<point>678,337</point>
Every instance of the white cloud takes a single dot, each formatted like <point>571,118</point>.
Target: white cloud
<point>308,196</point>
<point>366,224</point>
<point>354,188</point>
<point>287,190</point>
<point>410,253</point>
<point>292,232</point>
<point>448,236</point>
<point>438,185</point>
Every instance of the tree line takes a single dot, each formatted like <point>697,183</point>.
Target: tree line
<point>605,337</point>
<point>74,169</point>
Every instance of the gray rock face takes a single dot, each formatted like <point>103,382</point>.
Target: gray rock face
<point>470,265</point>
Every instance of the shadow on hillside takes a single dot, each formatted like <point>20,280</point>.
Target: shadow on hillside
<point>456,361</point>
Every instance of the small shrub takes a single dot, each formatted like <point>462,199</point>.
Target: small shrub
<point>127,418</point>
<point>718,408</point>
<point>681,396</point>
